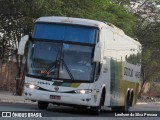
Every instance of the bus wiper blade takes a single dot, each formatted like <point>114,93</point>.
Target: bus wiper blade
<point>69,72</point>
<point>53,65</point>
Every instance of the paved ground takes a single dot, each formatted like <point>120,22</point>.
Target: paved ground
<point>6,96</point>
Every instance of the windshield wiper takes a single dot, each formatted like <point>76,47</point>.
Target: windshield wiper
<point>53,65</point>
<point>56,64</point>
<point>69,72</point>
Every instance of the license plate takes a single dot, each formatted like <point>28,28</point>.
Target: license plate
<point>56,97</point>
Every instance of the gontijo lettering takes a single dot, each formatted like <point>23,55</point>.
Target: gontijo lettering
<point>128,72</point>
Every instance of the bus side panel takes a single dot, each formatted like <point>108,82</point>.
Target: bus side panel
<point>106,80</point>
<point>120,54</point>
<point>124,67</point>
<point>131,79</point>
<point>114,83</point>
<point>107,65</point>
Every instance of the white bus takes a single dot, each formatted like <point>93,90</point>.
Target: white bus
<point>81,62</point>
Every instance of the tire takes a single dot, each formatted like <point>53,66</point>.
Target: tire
<point>42,105</point>
<point>116,109</point>
<point>126,107</point>
<point>97,110</point>
<point>131,100</point>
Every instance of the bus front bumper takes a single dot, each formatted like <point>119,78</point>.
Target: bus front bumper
<point>61,98</point>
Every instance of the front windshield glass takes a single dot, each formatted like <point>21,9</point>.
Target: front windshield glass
<point>78,60</point>
<point>60,61</point>
<point>43,56</point>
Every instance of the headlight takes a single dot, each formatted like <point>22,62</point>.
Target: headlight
<point>85,91</point>
<point>31,86</point>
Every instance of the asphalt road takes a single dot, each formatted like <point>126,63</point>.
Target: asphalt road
<point>70,113</point>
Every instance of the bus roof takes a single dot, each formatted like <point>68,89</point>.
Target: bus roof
<point>70,20</point>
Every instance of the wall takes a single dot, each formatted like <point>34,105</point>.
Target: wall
<point>7,76</point>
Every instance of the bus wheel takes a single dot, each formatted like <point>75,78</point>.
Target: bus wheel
<point>42,105</point>
<point>97,110</point>
<point>126,106</point>
<point>116,109</point>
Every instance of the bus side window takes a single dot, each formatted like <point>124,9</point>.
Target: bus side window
<point>97,70</point>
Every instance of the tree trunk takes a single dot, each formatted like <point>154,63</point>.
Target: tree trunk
<point>141,89</point>
<point>18,76</point>
<point>21,82</point>
<point>142,84</point>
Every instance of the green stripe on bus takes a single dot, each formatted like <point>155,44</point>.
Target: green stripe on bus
<point>74,85</point>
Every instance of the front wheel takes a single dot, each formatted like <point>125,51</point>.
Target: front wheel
<point>97,110</point>
<point>42,105</point>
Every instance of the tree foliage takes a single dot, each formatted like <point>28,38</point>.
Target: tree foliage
<point>147,31</point>
<point>17,18</point>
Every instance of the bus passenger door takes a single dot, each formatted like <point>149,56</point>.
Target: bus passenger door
<point>97,81</point>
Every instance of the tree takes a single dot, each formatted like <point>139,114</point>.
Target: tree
<point>17,18</point>
<point>102,10</point>
<point>121,2</point>
<point>147,31</point>
<point>149,37</point>
<point>12,26</point>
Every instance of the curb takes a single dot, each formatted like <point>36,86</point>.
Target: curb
<point>13,99</point>
<point>144,103</point>
<point>17,101</point>
<point>30,102</point>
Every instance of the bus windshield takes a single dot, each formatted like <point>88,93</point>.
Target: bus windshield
<point>60,61</point>
<point>65,32</point>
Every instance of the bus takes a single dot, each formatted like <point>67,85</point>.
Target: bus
<point>81,62</point>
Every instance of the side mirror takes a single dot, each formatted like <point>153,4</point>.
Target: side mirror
<point>22,44</point>
<point>97,52</point>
